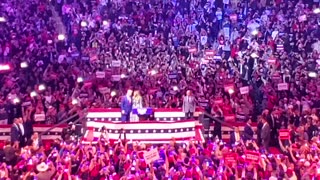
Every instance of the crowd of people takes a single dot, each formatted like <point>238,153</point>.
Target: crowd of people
<point>254,60</point>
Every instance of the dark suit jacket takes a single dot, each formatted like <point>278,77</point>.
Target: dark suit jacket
<point>247,133</point>
<point>28,129</point>
<point>126,105</point>
<point>233,138</point>
<point>15,133</point>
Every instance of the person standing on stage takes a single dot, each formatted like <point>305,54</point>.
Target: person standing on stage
<point>189,105</point>
<point>126,106</point>
<point>136,104</point>
<point>15,133</point>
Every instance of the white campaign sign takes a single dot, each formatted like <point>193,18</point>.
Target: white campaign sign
<point>244,90</point>
<point>283,86</point>
<point>151,155</point>
<point>116,63</point>
<point>116,77</point>
<point>100,74</point>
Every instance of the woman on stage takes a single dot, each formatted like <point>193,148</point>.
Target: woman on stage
<point>136,104</point>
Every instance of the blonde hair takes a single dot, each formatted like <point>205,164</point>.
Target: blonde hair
<point>136,95</point>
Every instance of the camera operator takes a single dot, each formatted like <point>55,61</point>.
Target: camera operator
<point>69,133</point>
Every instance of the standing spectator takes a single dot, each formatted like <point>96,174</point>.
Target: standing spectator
<point>189,105</point>
<point>248,131</point>
<point>15,133</point>
<point>235,136</point>
<point>10,153</point>
<point>265,135</point>
<point>45,171</point>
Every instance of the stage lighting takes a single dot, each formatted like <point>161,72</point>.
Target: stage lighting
<point>255,32</point>
<point>4,67</point>
<point>153,72</point>
<point>61,37</point>
<point>3,19</point>
<point>312,74</point>
<point>16,100</point>
<point>175,88</point>
<point>105,23</point>
<point>83,24</point>
<point>79,80</point>
<point>24,65</point>
<point>113,93</point>
<point>33,94</point>
<point>41,87</point>
<point>50,41</point>
<point>74,101</point>
<point>316,11</point>
<point>123,76</point>
<point>230,91</point>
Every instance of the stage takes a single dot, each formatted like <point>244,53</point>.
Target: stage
<point>167,124</point>
<point>147,132</point>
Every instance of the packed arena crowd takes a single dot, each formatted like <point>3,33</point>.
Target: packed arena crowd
<point>255,60</point>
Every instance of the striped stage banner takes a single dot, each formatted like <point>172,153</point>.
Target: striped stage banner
<point>160,114</point>
<point>149,132</point>
<point>166,119</point>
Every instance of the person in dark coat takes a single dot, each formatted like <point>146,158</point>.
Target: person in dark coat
<point>235,136</point>
<point>126,106</point>
<point>248,131</point>
<point>15,133</point>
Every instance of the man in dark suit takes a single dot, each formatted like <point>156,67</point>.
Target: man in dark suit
<point>235,136</point>
<point>265,134</point>
<point>248,131</point>
<point>126,106</point>
<point>15,133</point>
<point>23,139</point>
<point>273,123</point>
<point>217,130</point>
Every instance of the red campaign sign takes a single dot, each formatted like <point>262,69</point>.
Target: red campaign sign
<point>252,156</point>
<point>230,158</point>
<point>229,118</point>
<point>284,134</point>
<point>192,50</point>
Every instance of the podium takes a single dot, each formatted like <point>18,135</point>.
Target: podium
<point>143,113</point>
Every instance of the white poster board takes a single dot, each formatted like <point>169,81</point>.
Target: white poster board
<point>244,90</point>
<point>283,86</point>
<point>100,74</point>
<point>150,156</point>
<point>116,63</point>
